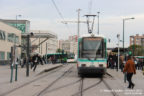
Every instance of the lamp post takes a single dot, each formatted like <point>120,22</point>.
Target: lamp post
<point>124,29</point>
<point>98,20</point>
<point>17,19</point>
<point>118,36</point>
<point>123,40</point>
<point>78,26</point>
<point>16,63</point>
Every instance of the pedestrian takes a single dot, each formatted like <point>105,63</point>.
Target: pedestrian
<point>24,62</point>
<point>40,60</point>
<point>129,68</point>
<point>52,59</point>
<point>115,60</point>
<point>111,63</point>
<point>109,59</point>
<point>35,61</point>
<point>121,62</point>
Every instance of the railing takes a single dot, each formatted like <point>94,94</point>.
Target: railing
<point>4,62</point>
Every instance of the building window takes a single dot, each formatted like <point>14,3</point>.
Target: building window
<point>8,55</point>
<point>17,40</point>
<point>10,37</point>
<point>142,41</point>
<point>13,38</point>
<point>2,35</point>
<point>2,55</point>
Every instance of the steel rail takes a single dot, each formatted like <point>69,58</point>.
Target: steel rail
<point>27,83</point>
<point>43,92</point>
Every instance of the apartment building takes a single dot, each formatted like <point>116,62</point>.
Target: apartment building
<point>8,37</point>
<point>70,45</point>
<point>137,40</point>
<point>23,25</point>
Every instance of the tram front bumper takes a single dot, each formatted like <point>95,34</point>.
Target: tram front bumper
<point>91,70</point>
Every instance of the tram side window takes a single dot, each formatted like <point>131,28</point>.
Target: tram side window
<point>80,49</point>
<point>104,49</point>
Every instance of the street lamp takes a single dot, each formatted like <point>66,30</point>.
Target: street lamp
<point>118,36</point>
<point>123,40</point>
<point>78,26</point>
<point>16,19</point>
<point>98,20</point>
<point>124,29</point>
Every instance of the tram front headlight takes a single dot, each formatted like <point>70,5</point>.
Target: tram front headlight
<point>100,65</point>
<point>83,65</point>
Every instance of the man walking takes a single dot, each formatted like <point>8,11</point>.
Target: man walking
<point>130,69</point>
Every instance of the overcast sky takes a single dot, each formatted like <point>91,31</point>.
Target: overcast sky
<point>44,16</point>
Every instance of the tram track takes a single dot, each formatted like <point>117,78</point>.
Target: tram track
<point>109,88</point>
<point>82,90</point>
<point>66,85</point>
<point>44,91</point>
<point>66,73</point>
<point>27,83</point>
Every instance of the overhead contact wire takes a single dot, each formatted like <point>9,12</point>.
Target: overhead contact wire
<point>60,14</point>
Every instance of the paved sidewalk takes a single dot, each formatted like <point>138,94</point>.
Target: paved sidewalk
<point>138,79</point>
<point>5,84</point>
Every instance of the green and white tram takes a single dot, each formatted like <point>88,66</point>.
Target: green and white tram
<point>92,54</point>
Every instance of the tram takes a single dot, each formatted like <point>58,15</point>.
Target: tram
<point>92,54</point>
<point>71,58</point>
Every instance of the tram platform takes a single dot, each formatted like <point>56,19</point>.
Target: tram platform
<point>5,73</point>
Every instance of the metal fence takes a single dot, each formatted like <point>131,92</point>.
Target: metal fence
<point>4,62</point>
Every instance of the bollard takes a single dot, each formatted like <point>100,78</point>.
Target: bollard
<point>11,78</point>
<point>125,77</point>
<point>143,70</point>
<point>16,65</point>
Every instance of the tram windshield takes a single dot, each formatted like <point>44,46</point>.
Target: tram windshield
<point>92,47</point>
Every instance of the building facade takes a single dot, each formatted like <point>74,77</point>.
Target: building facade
<point>137,40</point>
<point>23,25</point>
<point>9,36</point>
<point>44,45</point>
<point>70,45</point>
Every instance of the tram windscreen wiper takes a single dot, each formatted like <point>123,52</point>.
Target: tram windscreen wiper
<point>95,55</point>
<point>95,58</point>
<point>88,58</point>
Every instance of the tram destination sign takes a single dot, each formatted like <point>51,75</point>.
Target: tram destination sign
<point>92,38</point>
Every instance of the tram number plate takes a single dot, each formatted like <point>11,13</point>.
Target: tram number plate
<point>92,66</point>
